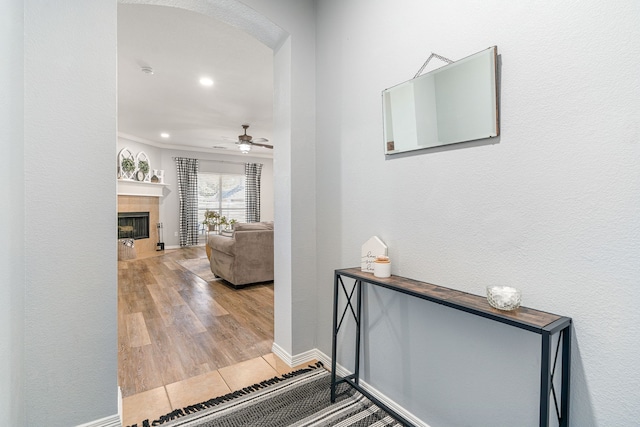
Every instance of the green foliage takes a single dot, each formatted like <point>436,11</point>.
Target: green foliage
<point>214,218</point>
<point>128,165</point>
<point>211,217</point>
<point>143,165</point>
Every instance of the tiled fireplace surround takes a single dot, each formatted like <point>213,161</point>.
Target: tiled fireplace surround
<point>143,204</point>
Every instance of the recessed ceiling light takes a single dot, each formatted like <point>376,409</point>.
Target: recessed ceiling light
<point>165,135</point>
<point>206,81</point>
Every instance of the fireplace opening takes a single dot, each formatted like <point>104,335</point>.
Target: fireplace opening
<point>133,225</point>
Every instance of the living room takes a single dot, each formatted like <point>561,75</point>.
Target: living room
<point>551,206</point>
<point>213,164</point>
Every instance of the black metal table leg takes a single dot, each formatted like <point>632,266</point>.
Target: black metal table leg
<point>358,329</point>
<point>356,312</point>
<point>545,379</point>
<point>566,375</point>
<point>335,337</point>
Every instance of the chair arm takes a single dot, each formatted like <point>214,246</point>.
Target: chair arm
<point>222,244</point>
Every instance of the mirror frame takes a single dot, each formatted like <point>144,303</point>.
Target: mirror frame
<point>488,102</point>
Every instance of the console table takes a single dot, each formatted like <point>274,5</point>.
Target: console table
<point>539,322</point>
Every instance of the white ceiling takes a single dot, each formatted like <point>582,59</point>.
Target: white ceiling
<point>181,47</point>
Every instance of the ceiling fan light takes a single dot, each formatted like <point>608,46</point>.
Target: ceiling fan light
<point>244,147</point>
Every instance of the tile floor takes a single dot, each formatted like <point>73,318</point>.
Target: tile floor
<point>153,403</point>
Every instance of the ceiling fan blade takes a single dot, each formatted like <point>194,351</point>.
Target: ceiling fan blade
<point>226,138</point>
<point>262,145</point>
<point>260,140</point>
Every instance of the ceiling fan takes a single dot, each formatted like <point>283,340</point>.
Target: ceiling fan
<point>245,142</point>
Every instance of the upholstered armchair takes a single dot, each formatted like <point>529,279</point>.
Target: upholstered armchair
<point>245,257</point>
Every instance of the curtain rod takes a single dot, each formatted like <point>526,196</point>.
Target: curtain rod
<point>219,161</point>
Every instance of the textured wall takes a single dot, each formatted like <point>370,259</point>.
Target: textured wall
<point>70,211</point>
<point>12,369</point>
<point>70,125</point>
<point>294,171</point>
<point>551,207</point>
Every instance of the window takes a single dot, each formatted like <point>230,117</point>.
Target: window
<point>223,193</point>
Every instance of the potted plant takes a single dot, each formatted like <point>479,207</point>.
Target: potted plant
<point>211,219</point>
<point>223,221</point>
<point>232,223</point>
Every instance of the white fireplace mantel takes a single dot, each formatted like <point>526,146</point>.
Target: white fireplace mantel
<point>140,188</point>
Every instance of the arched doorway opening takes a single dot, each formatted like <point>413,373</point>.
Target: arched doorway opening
<point>239,15</point>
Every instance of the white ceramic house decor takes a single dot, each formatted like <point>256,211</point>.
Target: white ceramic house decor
<point>370,250</point>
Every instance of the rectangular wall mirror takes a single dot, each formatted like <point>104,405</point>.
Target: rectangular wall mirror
<point>454,103</point>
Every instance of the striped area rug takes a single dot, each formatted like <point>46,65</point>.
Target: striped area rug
<point>300,399</point>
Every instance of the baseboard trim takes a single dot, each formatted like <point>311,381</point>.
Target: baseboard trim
<point>341,371</point>
<point>305,357</point>
<point>393,405</point>
<point>282,354</point>
<point>120,403</point>
<point>111,421</point>
<point>296,360</point>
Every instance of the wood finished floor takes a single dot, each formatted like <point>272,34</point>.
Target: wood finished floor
<point>173,325</point>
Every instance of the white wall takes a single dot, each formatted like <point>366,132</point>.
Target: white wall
<point>70,125</point>
<point>551,207</point>
<point>294,172</point>
<point>12,281</point>
<point>69,323</point>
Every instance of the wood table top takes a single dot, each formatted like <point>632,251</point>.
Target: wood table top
<point>522,317</point>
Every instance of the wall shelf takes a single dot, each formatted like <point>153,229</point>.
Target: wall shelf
<point>128,187</point>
